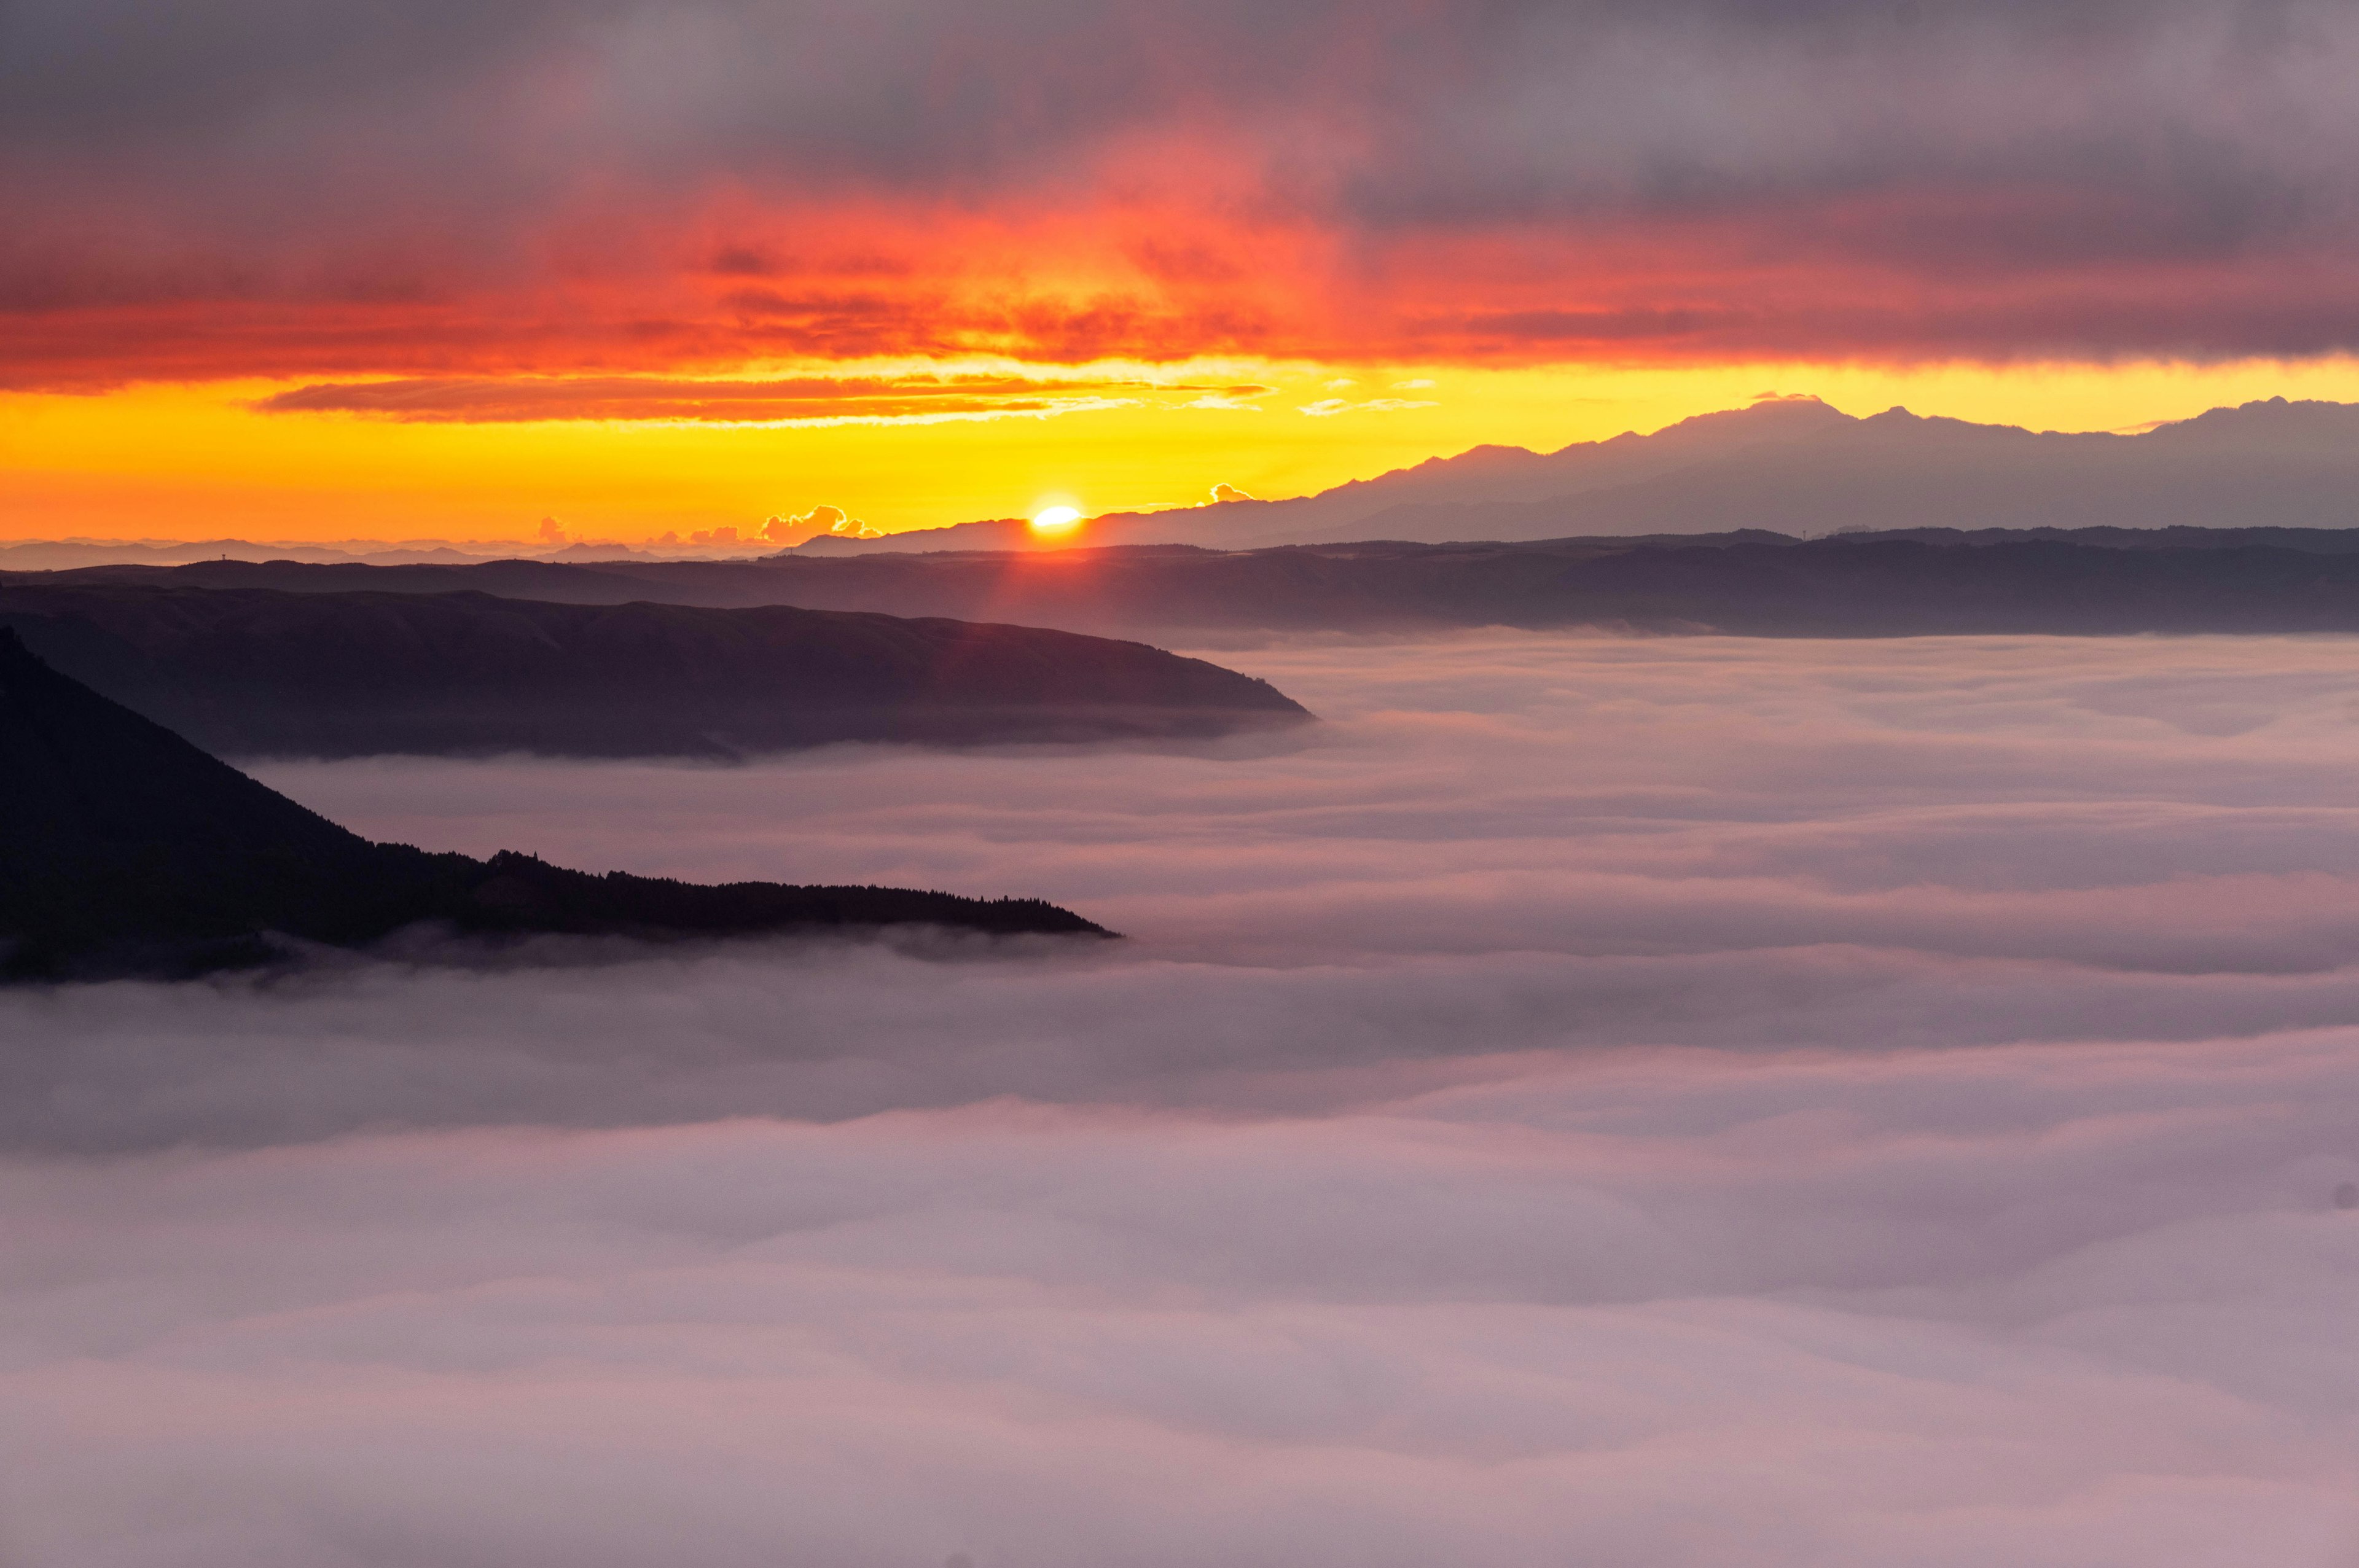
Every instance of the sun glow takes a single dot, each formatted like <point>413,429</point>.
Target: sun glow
<point>198,461</point>
<point>1056,520</point>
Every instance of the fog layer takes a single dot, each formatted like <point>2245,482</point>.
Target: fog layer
<point>1591,1100</point>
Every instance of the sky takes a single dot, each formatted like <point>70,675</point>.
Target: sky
<point>1646,1101</point>
<point>325,269</point>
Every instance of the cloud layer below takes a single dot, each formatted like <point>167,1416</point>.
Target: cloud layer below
<point>1642,1102</point>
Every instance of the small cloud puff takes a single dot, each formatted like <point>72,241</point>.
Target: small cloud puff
<point>795,529</point>
<point>1419,385</point>
<point>1340,382</point>
<point>1328,408</point>
<point>1223,494</point>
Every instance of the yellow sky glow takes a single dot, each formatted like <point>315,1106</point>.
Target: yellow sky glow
<point>193,462</point>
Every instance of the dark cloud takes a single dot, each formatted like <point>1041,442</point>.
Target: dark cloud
<point>495,400</point>
<point>1721,178</point>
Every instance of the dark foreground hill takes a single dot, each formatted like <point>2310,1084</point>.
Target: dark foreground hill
<point>263,672</point>
<point>124,849</point>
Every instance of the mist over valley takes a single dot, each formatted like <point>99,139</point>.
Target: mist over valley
<point>1582,1058</point>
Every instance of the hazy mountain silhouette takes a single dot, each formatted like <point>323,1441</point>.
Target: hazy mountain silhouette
<point>1753,583</point>
<point>1792,464</point>
<point>264,673</point>
<point>1493,476</point>
<point>124,849</point>
<point>1895,583</point>
<point>1795,465</point>
<point>1800,466</point>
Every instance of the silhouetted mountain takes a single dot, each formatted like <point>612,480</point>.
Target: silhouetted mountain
<point>987,534</point>
<point>1503,476</point>
<point>1790,464</point>
<point>1800,466</point>
<point>264,673</point>
<point>848,584</point>
<point>1487,474</point>
<point>1794,465</point>
<point>125,849</point>
<point>63,554</point>
<point>1753,583</point>
<point>713,584</point>
<point>1892,583</point>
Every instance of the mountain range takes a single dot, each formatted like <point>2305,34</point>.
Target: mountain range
<point>1755,583</point>
<point>1898,583</point>
<point>1788,518</point>
<point>126,851</point>
<point>1794,465</point>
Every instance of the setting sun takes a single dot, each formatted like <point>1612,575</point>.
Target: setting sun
<point>1057,520</point>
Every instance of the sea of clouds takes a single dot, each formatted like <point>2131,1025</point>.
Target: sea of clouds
<point>1590,1101</point>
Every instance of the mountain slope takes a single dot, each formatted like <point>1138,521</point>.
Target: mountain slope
<point>2280,466</point>
<point>1919,582</point>
<point>1484,475</point>
<point>262,673</point>
<point>1777,467</point>
<point>2084,581</point>
<point>1497,476</point>
<point>125,849</point>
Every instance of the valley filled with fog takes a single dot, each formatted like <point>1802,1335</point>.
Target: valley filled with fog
<point>1590,1100</point>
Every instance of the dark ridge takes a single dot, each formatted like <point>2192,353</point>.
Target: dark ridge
<point>125,850</point>
<point>2175,536</point>
<point>2079,581</point>
<point>1801,466</point>
<point>259,672</point>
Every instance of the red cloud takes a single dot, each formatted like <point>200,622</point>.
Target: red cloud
<point>327,191</point>
<point>507,400</point>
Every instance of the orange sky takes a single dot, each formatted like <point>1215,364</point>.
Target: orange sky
<point>317,269</point>
<point>195,461</point>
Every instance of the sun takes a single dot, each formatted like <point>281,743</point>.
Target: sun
<point>1056,520</point>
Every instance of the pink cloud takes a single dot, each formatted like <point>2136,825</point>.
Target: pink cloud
<point>309,193</point>
<point>1870,1102</point>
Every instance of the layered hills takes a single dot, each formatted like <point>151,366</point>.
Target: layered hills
<point>1748,583</point>
<point>1894,583</point>
<point>268,672</point>
<point>1788,517</point>
<point>124,849</point>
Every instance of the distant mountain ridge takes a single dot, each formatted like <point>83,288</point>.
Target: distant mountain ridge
<point>1803,468</point>
<point>1921,582</point>
<point>124,849</point>
<point>65,554</point>
<point>1903,582</point>
<point>1796,466</point>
